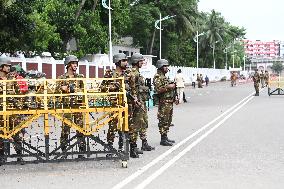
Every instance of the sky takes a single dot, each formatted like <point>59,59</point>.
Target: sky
<point>262,19</point>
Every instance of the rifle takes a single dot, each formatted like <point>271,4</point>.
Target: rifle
<point>149,85</point>
<point>130,96</point>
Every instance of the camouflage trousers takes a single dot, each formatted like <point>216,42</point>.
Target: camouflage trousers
<point>165,114</point>
<point>14,121</point>
<point>65,132</point>
<point>256,87</point>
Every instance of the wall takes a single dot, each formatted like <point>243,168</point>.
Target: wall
<point>53,68</point>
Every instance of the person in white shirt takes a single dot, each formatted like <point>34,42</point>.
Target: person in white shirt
<point>193,80</point>
<point>179,79</point>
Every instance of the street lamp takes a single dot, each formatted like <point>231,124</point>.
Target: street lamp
<point>109,25</point>
<point>160,28</point>
<point>226,51</point>
<point>213,47</point>
<point>197,44</point>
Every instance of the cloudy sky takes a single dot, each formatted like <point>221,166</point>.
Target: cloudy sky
<point>263,20</point>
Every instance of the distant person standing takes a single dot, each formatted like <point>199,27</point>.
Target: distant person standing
<point>179,80</point>
<point>256,80</point>
<point>261,75</point>
<point>193,80</point>
<point>206,80</point>
<point>266,78</point>
<point>199,81</point>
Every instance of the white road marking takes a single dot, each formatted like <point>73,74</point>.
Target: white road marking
<point>165,154</point>
<point>147,181</point>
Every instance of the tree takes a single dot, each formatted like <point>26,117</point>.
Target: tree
<point>277,67</point>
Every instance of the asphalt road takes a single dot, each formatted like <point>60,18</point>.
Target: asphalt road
<point>225,138</point>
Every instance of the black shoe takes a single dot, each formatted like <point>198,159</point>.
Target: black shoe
<point>81,157</point>
<point>171,125</point>
<point>20,160</point>
<point>256,94</point>
<point>171,141</point>
<point>146,147</point>
<point>138,151</point>
<point>133,151</point>
<point>165,143</point>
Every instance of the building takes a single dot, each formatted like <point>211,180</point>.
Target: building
<point>262,49</point>
<point>125,46</point>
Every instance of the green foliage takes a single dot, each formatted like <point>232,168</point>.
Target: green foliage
<point>277,67</point>
<point>49,25</point>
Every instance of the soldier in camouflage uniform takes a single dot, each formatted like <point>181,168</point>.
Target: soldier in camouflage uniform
<point>142,92</point>
<point>121,63</point>
<point>266,78</point>
<point>71,63</point>
<point>137,94</point>
<point>14,120</point>
<point>165,90</point>
<point>256,80</point>
<point>261,76</point>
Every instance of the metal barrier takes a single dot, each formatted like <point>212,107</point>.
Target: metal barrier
<point>276,86</point>
<point>34,122</point>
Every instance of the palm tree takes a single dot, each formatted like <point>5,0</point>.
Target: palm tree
<point>214,30</point>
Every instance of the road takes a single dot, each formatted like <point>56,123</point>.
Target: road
<point>225,138</point>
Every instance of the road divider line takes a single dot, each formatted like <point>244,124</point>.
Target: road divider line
<point>153,176</point>
<point>165,154</point>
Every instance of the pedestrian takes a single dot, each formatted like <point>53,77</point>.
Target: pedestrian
<point>165,91</point>
<point>193,80</point>
<point>71,86</point>
<point>206,80</point>
<point>179,80</point>
<point>256,80</point>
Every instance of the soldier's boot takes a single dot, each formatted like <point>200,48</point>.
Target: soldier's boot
<point>138,151</point>
<point>120,143</point>
<point>169,140</point>
<point>146,146</point>
<point>133,152</point>
<point>82,148</point>
<point>19,159</point>
<point>2,159</point>
<point>164,141</point>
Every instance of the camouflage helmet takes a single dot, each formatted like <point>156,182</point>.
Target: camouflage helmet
<point>118,57</point>
<point>136,57</point>
<point>70,58</point>
<point>161,63</point>
<point>5,61</point>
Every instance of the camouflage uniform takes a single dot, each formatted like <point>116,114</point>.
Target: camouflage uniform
<point>199,81</point>
<point>166,98</point>
<point>140,116</point>
<point>256,80</point>
<point>261,76</point>
<point>114,122</point>
<point>266,78</point>
<point>77,118</point>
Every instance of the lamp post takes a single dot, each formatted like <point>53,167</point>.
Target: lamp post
<point>213,47</point>
<point>160,28</point>
<point>197,46</point>
<point>244,59</point>
<point>109,26</point>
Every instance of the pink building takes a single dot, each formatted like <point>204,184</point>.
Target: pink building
<point>262,49</point>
